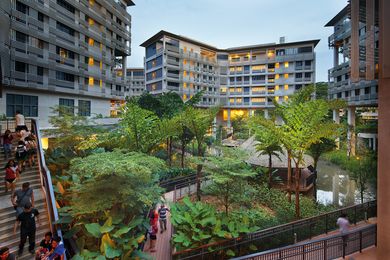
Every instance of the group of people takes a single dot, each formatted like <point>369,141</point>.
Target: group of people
<point>27,217</point>
<point>25,152</point>
<point>155,216</point>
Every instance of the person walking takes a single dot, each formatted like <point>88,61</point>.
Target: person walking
<point>11,174</point>
<point>162,215</point>
<point>7,143</point>
<point>153,230</point>
<point>22,197</point>
<point>21,154</point>
<point>31,147</point>
<point>343,223</point>
<point>28,225</point>
<point>20,122</point>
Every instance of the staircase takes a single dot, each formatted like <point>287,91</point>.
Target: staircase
<point>7,212</point>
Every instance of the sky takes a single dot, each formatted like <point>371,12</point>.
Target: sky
<point>232,23</point>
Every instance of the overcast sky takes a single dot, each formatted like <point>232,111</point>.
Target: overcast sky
<point>231,23</point>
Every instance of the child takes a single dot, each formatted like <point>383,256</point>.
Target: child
<point>31,148</point>
<point>11,174</point>
<point>21,154</point>
<point>153,230</point>
<point>7,143</point>
<point>44,246</point>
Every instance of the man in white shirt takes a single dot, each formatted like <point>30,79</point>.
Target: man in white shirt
<point>20,122</point>
<point>343,223</point>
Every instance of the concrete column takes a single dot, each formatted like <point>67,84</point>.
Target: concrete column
<point>124,67</point>
<point>351,131</point>
<point>336,189</point>
<point>214,127</point>
<point>228,123</point>
<point>336,119</point>
<point>266,114</point>
<point>383,235</point>
<point>335,56</point>
<point>370,39</point>
<point>354,40</point>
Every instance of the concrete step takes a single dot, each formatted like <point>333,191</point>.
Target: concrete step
<point>35,183</point>
<point>8,233</point>
<point>10,211</point>
<point>10,220</point>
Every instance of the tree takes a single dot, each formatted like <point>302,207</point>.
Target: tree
<point>321,90</point>
<point>199,122</point>
<point>114,190</point>
<point>319,148</point>
<point>364,171</point>
<point>228,174</point>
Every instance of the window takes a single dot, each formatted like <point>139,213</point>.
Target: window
<point>65,29</point>
<point>84,108</point>
<point>64,53</point>
<point>21,66</point>
<point>67,105</point>
<point>305,49</point>
<point>367,90</point>
<point>286,87</point>
<point>21,37</point>
<point>277,65</point>
<point>91,81</point>
<point>258,68</point>
<point>90,61</point>
<point>258,100</point>
<point>277,76</point>
<point>41,16</point>
<point>27,105</point>
<point>40,71</point>
<point>286,75</point>
<point>66,5</point>
<point>286,64</point>
<point>91,42</point>
<point>184,62</point>
<point>185,73</point>
<point>307,63</point>
<point>298,75</point>
<point>307,74</point>
<point>277,87</point>
<point>64,76</point>
<point>357,92</point>
<point>21,7</point>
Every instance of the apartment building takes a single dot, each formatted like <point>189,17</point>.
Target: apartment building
<point>135,78</point>
<point>241,80</point>
<point>354,76</point>
<point>63,52</point>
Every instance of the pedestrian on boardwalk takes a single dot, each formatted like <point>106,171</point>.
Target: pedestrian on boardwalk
<point>162,214</point>
<point>343,223</point>
<point>44,246</point>
<point>27,223</point>
<point>11,174</point>
<point>7,143</point>
<point>20,122</point>
<point>5,254</point>
<point>153,230</point>
<point>22,197</point>
<point>153,216</point>
<point>21,154</point>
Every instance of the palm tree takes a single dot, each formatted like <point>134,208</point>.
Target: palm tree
<point>268,145</point>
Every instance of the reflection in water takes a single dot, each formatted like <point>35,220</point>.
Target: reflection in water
<point>334,186</point>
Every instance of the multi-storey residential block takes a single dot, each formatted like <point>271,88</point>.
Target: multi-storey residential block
<point>354,76</point>
<point>63,52</point>
<point>241,80</point>
<point>135,78</point>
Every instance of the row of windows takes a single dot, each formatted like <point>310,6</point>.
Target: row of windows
<point>28,105</point>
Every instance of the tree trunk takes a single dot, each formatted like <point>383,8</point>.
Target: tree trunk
<point>183,150</point>
<point>289,175</point>
<point>315,159</point>
<point>297,204</point>
<point>269,170</point>
<point>199,174</point>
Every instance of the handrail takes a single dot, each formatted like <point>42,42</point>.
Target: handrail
<point>46,183</point>
<point>322,246</point>
<point>285,233</point>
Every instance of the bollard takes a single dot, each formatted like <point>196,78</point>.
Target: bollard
<point>295,238</point>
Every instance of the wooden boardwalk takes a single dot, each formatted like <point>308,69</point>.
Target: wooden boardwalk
<point>163,244</point>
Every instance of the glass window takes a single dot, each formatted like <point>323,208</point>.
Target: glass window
<point>21,66</point>
<point>21,37</point>
<point>40,71</point>
<point>66,5</point>
<point>67,105</point>
<point>27,105</point>
<point>65,29</point>
<point>84,108</point>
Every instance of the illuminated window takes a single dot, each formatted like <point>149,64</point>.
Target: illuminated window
<point>231,90</point>
<point>285,98</point>
<point>91,2</point>
<point>154,74</point>
<point>191,85</point>
<point>101,46</point>
<point>184,61</point>
<point>277,87</point>
<point>286,64</point>
<point>239,68</point>
<point>277,65</point>
<point>191,96</point>
<point>277,76</point>
<point>90,81</point>
<point>258,89</point>
<point>258,67</point>
<point>184,97</point>
<point>184,85</point>
<point>191,74</point>
<point>185,73</point>
<point>225,115</point>
<point>90,61</point>
<point>185,48</point>
<point>286,76</point>
<point>286,87</point>
<point>101,65</point>
<point>239,90</point>
<point>91,21</point>
<point>223,89</point>
<point>192,63</point>
<point>232,69</point>
<point>239,100</point>
<point>91,42</point>
<point>271,53</point>
<point>231,100</point>
<point>101,83</point>
<point>192,50</point>
<point>276,98</point>
<point>258,100</point>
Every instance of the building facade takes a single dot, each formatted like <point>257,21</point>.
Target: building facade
<point>63,52</point>
<point>135,78</point>
<point>354,76</point>
<point>241,80</point>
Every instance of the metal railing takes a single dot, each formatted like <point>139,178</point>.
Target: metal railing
<point>326,248</point>
<point>46,182</point>
<point>281,235</point>
<point>9,123</point>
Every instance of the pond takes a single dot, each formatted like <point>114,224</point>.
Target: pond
<point>335,186</point>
